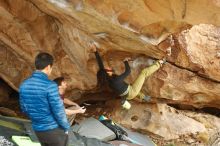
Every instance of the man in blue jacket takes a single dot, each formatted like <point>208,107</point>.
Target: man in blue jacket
<point>41,102</point>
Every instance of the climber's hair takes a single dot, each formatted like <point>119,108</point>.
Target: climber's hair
<point>42,60</point>
<point>59,80</point>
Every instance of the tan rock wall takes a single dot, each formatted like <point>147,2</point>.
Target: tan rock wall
<point>132,28</point>
<point>140,29</point>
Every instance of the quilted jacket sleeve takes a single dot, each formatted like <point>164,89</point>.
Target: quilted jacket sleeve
<point>22,105</point>
<point>57,106</point>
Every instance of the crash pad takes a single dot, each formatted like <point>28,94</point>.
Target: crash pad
<point>123,143</point>
<point>92,128</point>
<point>139,138</point>
<point>24,141</point>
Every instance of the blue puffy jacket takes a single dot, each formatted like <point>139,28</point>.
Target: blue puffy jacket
<point>41,102</point>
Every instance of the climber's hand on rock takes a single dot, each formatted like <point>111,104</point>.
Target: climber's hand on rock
<point>92,47</point>
<point>168,51</point>
<point>128,59</point>
<point>162,61</point>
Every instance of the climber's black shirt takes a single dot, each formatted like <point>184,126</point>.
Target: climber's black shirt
<point>116,82</point>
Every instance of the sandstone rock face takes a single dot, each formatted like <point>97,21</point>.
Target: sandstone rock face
<point>65,28</point>
<point>143,30</point>
<point>167,123</point>
<point>184,87</point>
<point>159,119</point>
<point>4,91</point>
<point>198,50</point>
<point>13,68</point>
